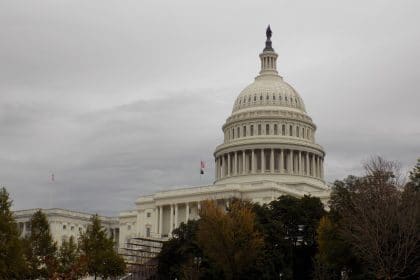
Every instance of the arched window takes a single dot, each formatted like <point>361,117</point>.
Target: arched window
<point>275,129</point>
<point>233,133</point>
<point>244,131</point>
<point>291,130</point>
<point>259,129</point>
<point>297,131</point>
<point>252,130</point>
<point>303,132</point>
<point>238,132</point>
<point>283,129</point>
<point>255,98</point>
<point>267,129</point>
<point>260,97</point>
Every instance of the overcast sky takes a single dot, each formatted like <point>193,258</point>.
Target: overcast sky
<point>124,98</point>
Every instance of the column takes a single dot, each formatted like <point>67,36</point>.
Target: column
<point>235,164</point>
<point>243,162</point>
<point>281,167</point>
<point>290,165</point>
<point>313,165</point>
<point>300,169</point>
<point>161,219</point>
<point>223,166</point>
<point>307,164</point>
<point>176,215</point>
<point>228,165</point>
<point>262,161</point>
<point>215,169</point>
<point>272,161</point>
<point>187,212</point>
<point>156,229</point>
<point>171,220</point>
<point>316,166</point>
<point>322,168</point>
<point>252,161</point>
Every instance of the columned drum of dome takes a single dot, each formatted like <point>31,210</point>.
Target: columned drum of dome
<point>269,135</point>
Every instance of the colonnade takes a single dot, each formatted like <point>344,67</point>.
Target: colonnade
<point>169,216</point>
<point>269,160</point>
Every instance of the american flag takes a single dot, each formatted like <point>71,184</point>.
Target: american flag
<point>202,166</point>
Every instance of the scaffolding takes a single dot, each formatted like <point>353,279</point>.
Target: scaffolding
<point>140,256</point>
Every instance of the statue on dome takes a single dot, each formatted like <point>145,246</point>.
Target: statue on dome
<point>268,32</point>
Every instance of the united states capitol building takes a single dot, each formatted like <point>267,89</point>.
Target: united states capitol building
<point>269,149</point>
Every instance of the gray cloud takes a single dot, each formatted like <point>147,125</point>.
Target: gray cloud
<point>124,99</point>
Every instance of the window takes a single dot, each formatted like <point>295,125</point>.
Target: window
<point>255,98</point>
<point>252,130</point>
<point>244,131</point>
<point>148,214</point>
<point>148,232</point>
<point>233,133</point>
<point>64,227</point>
<point>274,97</point>
<point>297,131</point>
<point>275,129</point>
<point>238,132</point>
<point>260,97</point>
<point>72,228</point>
<point>283,129</point>
<point>291,130</point>
<point>80,229</point>
<point>267,97</point>
<point>128,227</point>
<point>267,129</point>
<point>303,132</point>
<point>259,129</point>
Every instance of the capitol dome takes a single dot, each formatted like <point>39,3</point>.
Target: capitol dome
<point>268,91</point>
<point>269,136</point>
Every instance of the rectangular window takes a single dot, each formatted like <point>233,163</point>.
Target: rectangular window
<point>267,129</point>
<point>283,129</point>
<point>238,132</point>
<point>233,133</point>
<point>252,130</point>
<point>259,129</point>
<point>148,214</point>
<point>244,131</point>
<point>147,232</point>
<point>291,130</point>
<point>275,129</point>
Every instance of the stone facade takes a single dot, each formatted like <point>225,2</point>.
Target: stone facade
<point>65,223</point>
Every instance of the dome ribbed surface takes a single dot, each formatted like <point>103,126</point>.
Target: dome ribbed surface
<point>269,91</point>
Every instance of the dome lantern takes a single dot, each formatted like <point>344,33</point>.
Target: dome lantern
<point>268,56</point>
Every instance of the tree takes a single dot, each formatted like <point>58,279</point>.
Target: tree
<point>98,250</point>
<point>41,249</point>
<point>71,263</point>
<point>12,264</point>
<point>379,222</point>
<point>415,176</point>
<point>230,239</point>
<point>289,227</point>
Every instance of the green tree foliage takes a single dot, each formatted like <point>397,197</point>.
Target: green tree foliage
<point>289,226</point>
<point>41,249</point>
<point>12,264</point>
<point>415,176</point>
<point>71,264</point>
<point>98,251</point>
<point>230,239</point>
